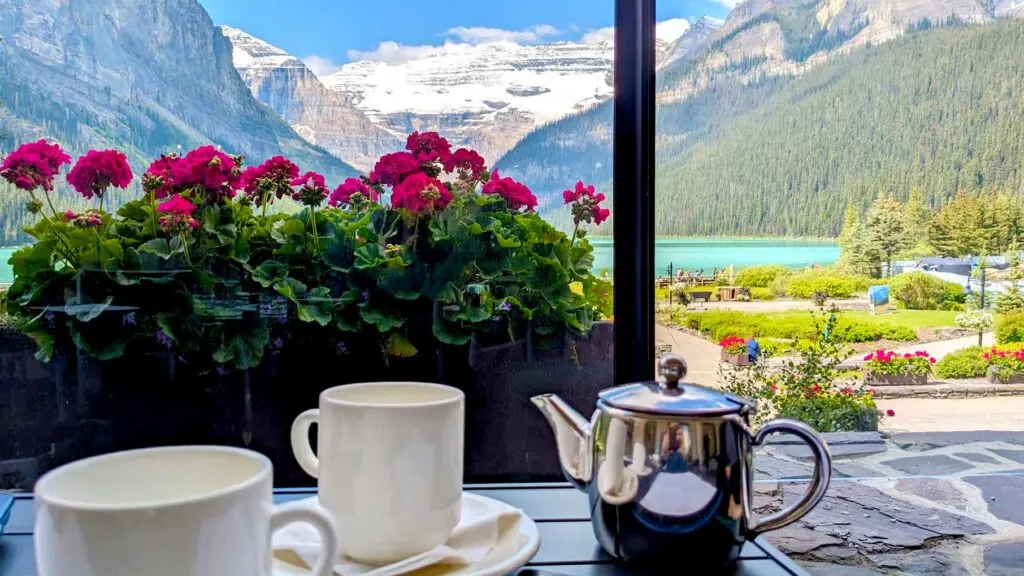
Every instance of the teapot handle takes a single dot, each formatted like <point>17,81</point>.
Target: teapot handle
<point>819,479</point>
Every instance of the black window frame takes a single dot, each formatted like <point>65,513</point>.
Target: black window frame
<point>633,187</point>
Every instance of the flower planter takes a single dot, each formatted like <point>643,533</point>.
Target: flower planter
<point>742,359</point>
<point>993,377</point>
<point>895,379</point>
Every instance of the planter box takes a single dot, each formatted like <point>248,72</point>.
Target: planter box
<point>742,359</point>
<point>994,378</point>
<point>895,379</point>
<point>76,406</point>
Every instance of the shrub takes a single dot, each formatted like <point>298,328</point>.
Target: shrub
<point>1010,328</point>
<point>832,284</point>
<point>759,276</point>
<point>1010,301</point>
<point>922,291</point>
<point>762,294</point>
<point>719,324</point>
<point>965,363</point>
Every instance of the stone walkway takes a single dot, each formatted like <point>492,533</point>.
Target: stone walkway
<point>702,357</point>
<point>935,503</point>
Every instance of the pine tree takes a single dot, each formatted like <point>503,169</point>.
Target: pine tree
<point>917,215</point>
<point>886,229</point>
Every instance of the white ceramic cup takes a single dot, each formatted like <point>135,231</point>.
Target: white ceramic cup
<point>389,465</point>
<point>177,511</point>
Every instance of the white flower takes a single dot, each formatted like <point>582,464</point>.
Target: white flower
<point>979,320</point>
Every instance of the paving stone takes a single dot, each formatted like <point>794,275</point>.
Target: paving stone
<point>802,452</point>
<point>1006,491</point>
<point>922,441</point>
<point>936,464</point>
<point>935,489</point>
<point>1015,455</point>
<point>922,563</point>
<point>826,569</point>
<point>862,518</point>
<point>1005,559</point>
<point>854,470</point>
<point>831,438</point>
<point>772,467</point>
<point>978,457</point>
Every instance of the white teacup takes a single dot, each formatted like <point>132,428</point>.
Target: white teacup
<point>178,511</point>
<point>389,466</point>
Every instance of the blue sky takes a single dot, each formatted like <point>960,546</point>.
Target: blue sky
<point>337,31</point>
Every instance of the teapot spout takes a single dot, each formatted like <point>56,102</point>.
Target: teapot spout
<point>572,435</point>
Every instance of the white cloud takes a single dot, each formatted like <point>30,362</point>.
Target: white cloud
<point>667,30</point>
<point>730,4</point>
<point>671,30</point>
<point>321,66</point>
<point>599,35</point>
<point>394,53</point>
<point>483,35</point>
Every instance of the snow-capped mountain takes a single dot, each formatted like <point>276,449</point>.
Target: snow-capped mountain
<point>323,117</point>
<point>487,96</point>
<point>692,43</point>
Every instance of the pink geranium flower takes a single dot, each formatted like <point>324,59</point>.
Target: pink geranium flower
<point>99,170</point>
<point>391,169</point>
<point>585,203</point>
<point>215,173</point>
<point>177,215</point>
<point>159,179</point>
<point>516,195</point>
<point>269,180</point>
<point>420,193</point>
<point>88,219</point>
<point>468,164</point>
<point>312,189</point>
<point>428,147</point>
<point>34,165</point>
<point>353,191</point>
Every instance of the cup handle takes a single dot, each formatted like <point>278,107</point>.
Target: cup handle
<point>300,442</point>
<point>297,512</point>
<point>819,479</point>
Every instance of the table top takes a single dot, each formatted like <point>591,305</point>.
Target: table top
<point>562,514</point>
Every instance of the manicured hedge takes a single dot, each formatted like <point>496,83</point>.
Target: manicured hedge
<point>718,324</point>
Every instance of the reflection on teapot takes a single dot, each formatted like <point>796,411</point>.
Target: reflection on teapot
<point>669,468</point>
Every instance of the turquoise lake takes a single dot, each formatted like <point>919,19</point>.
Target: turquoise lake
<point>690,253</point>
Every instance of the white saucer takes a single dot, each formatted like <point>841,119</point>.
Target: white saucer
<point>516,545</point>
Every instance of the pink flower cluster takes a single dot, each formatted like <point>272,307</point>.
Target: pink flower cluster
<point>99,170</point>
<point>428,147</point>
<point>269,180</point>
<point>177,215</point>
<point>34,165</point>
<point>516,195</point>
<point>209,169</point>
<point>312,189</point>
<point>353,192</point>
<point>420,193</point>
<point>586,204</point>
<point>87,219</point>
<point>888,356</point>
<point>998,355</point>
<point>468,164</point>
<point>159,177</point>
<point>391,169</point>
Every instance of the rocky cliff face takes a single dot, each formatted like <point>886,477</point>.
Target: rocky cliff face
<point>323,117</point>
<point>692,43</point>
<point>146,75</point>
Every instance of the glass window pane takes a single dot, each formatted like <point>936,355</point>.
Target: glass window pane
<point>249,205</point>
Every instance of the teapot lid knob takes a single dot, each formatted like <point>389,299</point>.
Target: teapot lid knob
<point>671,369</point>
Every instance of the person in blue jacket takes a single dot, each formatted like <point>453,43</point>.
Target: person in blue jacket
<point>753,350</point>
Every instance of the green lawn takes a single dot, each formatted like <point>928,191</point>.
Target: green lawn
<point>911,318</point>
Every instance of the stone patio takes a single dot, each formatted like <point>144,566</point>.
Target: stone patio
<point>947,503</point>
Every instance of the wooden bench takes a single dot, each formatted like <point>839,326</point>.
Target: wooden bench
<point>702,296</point>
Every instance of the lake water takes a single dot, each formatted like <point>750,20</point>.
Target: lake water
<point>690,253</point>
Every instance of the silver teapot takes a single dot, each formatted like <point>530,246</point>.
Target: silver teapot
<point>669,468</point>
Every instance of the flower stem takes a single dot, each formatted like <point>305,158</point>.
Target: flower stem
<point>263,205</point>
<point>184,246</point>
<point>53,228</point>
<point>312,222</point>
<point>101,202</point>
<point>48,201</point>
<point>152,204</point>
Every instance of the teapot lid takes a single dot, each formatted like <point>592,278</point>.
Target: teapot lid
<point>670,396</point>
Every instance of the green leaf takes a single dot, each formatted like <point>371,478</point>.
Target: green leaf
<point>385,320</point>
<point>317,307</point>
<point>270,272</point>
<point>449,334</point>
<point>369,257</point>
<point>89,312</point>
<point>158,246</point>
<point>399,346</point>
<point>291,289</point>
